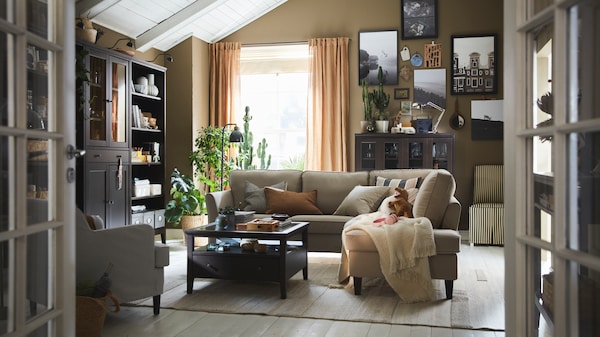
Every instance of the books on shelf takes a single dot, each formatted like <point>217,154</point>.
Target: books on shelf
<point>136,116</point>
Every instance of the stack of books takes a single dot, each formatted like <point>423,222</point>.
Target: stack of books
<point>244,216</point>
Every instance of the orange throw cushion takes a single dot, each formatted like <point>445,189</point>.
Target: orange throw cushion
<point>291,203</point>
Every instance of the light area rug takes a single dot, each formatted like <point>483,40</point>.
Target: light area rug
<point>321,296</point>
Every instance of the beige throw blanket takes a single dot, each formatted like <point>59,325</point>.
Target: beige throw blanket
<point>403,248</point>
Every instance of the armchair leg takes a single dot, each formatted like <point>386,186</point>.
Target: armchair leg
<point>357,285</point>
<point>156,304</point>
<point>449,287</point>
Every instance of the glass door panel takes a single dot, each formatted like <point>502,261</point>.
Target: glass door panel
<point>440,155</point>
<point>37,17</point>
<point>119,103</point>
<point>367,155</point>
<point>391,155</point>
<point>97,99</point>
<point>415,154</point>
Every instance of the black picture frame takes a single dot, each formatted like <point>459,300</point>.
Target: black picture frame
<point>419,19</point>
<point>401,93</point>
<point>378,48</point>
<point>474,64</point>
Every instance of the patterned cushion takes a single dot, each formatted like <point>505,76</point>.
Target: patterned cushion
<point>402,183</point>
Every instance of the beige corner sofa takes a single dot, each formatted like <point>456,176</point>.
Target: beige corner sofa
<point>339,199</point>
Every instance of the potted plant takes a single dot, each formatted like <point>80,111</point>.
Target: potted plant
<point>367,123</point>
<point>206,159</point>
<point>185,207</point>
<point>381,101</point>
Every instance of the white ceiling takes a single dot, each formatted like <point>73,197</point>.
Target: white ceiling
<point>162,24</point>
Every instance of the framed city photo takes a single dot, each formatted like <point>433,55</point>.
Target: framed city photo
<point>378,48</point>
<point>474,68</point>
<point>419,19</point>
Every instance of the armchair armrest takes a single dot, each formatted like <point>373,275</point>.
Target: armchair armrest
<point>452,215</point>
<point>216,200</point>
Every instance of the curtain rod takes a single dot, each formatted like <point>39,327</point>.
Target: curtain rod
<point>265,44</point>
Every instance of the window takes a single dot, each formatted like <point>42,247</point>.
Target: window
<point>274,85</point>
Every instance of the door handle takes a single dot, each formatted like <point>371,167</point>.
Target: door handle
<point>119,173</point>
<point>73,152</point>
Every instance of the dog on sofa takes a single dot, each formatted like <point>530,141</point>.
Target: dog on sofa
<point>401,208</point>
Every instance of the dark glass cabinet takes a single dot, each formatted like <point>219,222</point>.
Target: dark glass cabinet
<point>377,151</point>
<point>122,131</point>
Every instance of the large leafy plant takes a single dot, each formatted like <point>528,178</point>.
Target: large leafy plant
<point>206,158</point>
<point>186,198</point>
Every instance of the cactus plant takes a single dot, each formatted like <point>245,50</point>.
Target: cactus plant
<point>246,154</point>
<point>367,99</point>
<point>380,98</point>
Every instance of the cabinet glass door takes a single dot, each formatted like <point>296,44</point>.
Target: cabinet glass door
<point>440,154</point>
<point>367,155</point>
<point>392,155</point>
<point>118,102</point>
<point>107,102</point>
<point>97,99</point>
<point>415,154</point>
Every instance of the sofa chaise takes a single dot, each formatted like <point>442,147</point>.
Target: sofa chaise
<point>340,196</point>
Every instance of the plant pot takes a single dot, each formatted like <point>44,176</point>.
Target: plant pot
<point>382,126</point>
<point>192,221</point>
<point>88,35</point>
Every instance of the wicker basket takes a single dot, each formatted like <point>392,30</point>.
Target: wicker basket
<point>91,313</point>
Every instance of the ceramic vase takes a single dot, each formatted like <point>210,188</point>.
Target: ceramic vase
<point>88,35</point>
<point>152,88</point>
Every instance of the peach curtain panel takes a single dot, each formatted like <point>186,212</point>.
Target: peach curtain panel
<point>328,105</point>
<point>224,59</point>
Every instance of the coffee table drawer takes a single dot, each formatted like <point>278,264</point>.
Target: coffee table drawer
<point>235,267</point>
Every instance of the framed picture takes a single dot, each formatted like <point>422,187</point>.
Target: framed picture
<point>401,93</point>
<point>419,19</point>
<point>474,68</point>
<point>430,86</point>
<point>375,49</point>
<point>405,108</point>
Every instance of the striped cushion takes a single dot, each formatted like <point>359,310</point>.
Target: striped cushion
<point>402,183</point>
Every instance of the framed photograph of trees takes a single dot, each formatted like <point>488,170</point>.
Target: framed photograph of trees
<point>378,48</point>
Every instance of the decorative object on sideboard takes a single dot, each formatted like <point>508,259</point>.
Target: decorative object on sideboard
<point>439,119</point>
<point>381,100</point>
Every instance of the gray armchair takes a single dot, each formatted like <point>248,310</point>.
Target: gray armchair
<point>138,260</point>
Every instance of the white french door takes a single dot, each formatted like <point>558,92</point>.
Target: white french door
<point>37,195</point>
<point>552,91</point>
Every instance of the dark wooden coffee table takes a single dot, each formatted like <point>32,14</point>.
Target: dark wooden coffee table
<point>280,262</point>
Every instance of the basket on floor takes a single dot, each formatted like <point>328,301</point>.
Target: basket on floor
<point>91,312</point>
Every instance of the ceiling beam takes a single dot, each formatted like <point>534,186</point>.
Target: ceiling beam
<point>184,17</point>
<point>91,8</point>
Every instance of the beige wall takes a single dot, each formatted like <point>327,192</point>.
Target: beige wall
<point>299,20</point>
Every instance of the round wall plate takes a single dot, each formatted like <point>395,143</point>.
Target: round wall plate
<point>416,60</point>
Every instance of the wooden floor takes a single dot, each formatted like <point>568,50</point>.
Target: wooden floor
<point>485,264</point>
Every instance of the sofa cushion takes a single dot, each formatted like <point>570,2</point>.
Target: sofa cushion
<point>433,197</point>
<point>332,187</point>
<point>261,178</point>
<point>402,183</point>
<point>255,199</point>
<point>291,203</point>
<point>362,199</point>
